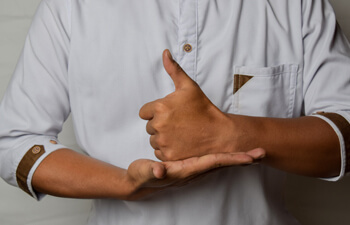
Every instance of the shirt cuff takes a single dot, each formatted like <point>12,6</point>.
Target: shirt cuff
<point>34,151</point>
<point>340,122</point>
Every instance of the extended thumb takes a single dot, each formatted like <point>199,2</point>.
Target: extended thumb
<point>179,77</point>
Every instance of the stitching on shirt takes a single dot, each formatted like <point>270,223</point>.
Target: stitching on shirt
<point>292,88</point>
<point>196,50</point>
<point>178,33</point>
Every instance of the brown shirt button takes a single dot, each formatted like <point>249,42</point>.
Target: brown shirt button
<point>36,150</point>
<point>187,48</point>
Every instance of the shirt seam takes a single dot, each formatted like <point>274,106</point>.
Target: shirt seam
<point>196,50</point>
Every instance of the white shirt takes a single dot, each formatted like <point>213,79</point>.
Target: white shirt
<point>100,60</point>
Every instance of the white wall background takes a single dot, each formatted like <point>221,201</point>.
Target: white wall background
<point>312,201</point>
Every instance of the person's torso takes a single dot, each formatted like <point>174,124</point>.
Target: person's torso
<point>245,55</point>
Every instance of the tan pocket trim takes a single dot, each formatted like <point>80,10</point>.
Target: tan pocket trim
<point>344,127</point>
<point>26,164</point>
<point>239,81</point>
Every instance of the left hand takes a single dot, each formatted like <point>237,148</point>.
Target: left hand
<point>185,123</point>
<point>147,177</point>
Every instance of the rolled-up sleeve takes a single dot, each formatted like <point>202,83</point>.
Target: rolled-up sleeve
<point>36,102</point>
<point>326,80</point>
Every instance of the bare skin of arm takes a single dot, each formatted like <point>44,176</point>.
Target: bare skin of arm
<point>66,173</point>
<point>306,145</point>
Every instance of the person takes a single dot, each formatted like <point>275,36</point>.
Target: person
<point>246,74</point>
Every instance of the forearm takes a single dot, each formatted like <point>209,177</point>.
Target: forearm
<point>66,173</point>
<point>306,145</point>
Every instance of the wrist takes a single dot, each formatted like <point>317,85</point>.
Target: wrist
<point>243,132</point>
<point>140,180</point>
<point>233,135</point>
<point>128,186</point>
<point>226,134</point>
<point>120,185</point>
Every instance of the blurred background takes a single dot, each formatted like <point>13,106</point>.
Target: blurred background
<point>312,201</point>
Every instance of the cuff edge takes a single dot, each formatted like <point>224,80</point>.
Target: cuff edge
<point>26,164</point>
<point>343,127</point>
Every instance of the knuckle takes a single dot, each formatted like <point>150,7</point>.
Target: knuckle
<point>165,156</point>
<point>160,107</point>
<point>170,156</point>
<point>161,141</point>
<point>158,125</point>
<point>158,142</point>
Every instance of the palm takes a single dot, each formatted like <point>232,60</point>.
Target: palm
<point>150,176</point>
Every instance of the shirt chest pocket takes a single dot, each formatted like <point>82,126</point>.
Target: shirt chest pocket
<point>267,91</point>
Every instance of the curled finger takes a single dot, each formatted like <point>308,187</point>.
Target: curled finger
<point>150,128</point>
<point>147,111</point>
<point>159,154</point>
<point>153,142</point>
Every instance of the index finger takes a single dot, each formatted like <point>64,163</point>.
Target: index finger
<point>146,111</point>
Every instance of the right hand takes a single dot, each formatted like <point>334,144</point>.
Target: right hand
<point>147,177</point>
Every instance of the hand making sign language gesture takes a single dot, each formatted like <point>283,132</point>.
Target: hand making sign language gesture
<point>185,123</point>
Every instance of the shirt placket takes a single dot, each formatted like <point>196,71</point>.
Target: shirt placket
<point>187,36</point>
